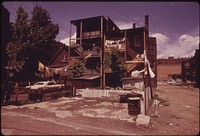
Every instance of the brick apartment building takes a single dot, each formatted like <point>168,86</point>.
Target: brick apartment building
<point>170,68</point>
<point>186,69</point>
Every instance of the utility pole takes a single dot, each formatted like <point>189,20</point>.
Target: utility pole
<point>146,36</point>
<point>102,74</point>
<point>69,56</point>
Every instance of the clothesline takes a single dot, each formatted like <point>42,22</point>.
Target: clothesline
<point>48,70</point>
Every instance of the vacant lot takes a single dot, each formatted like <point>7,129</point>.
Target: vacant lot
<point>178,115</point>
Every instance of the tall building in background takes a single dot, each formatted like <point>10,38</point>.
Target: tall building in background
<point>190,70</point>
<point>170,68</point>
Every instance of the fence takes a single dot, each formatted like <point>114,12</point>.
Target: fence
<point>19,93</point>
<point>101,93</point>
<point>144,101</point>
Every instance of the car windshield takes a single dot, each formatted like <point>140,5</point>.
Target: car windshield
<point>40,83</point>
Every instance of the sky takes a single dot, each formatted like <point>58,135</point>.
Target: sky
<point>174,24</point>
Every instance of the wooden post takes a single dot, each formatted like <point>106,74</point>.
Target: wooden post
<point>44,95</point>
<point>146,49</point>
<point>144,77</point>
<point>149,80</point>
<point>17,88</point>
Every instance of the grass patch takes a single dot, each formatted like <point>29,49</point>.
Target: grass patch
<point>164,102</point>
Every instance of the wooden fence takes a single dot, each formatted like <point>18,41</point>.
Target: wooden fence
<point>21,94</point>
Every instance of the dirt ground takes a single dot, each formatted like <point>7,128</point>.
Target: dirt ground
<point>178,115</point>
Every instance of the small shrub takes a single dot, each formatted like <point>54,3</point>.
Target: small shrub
<point>164,102</point>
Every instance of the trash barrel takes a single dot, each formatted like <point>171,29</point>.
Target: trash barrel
<point>134,103</point>
<point>133,95</point>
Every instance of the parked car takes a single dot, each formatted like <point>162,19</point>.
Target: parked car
<point>177,82</point>
<point>37,91</point>
<point>181,83</point>
<point>171,82</point>
<point>46,85</point>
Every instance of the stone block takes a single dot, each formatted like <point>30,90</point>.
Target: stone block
<point>142,120</point>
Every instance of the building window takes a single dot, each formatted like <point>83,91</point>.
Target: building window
<point>137,41</point>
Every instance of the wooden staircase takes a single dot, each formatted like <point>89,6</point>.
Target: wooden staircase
<point>131,52</point>
<point>135,61</point>
<point>79,50</point>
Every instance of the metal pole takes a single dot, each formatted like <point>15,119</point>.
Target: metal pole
<point>69,56</point>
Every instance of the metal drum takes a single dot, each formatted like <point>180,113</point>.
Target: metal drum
<point>134,105</point>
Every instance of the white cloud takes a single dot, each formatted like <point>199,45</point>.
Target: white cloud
<point>161,39</point>
<point>188,41</point>
<point>125,26</point>
<point>184,46</point>
<point>162,42</point>
<point>66,40</point>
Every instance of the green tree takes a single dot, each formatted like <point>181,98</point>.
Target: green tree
<point>116,63</point>
<point>107,61</point>
<point>42,28</point>
<point>28,34</point>
<point>77,69</point>
<point>17,48</point>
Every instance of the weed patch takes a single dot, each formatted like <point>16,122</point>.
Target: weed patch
<point>164,102</point>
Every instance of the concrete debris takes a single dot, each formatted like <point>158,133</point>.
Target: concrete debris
<point>104,104</point>
<point>187,106</point>
<point>5,131</point>
<point>63,114</point>
<point>131,120</point>
<point>10,107</point>
<point>142,120</point>
<point>171,124</point>
<point>42,105</point>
